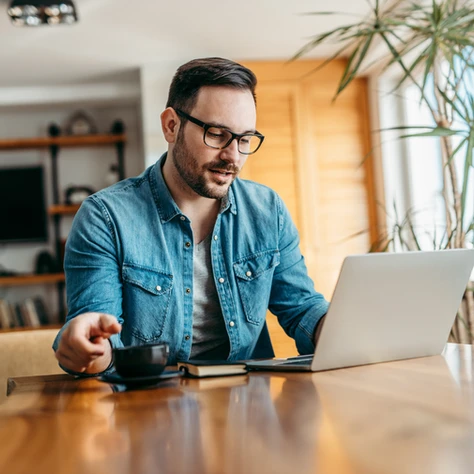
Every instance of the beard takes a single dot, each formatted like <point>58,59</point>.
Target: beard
<point>195,176</point>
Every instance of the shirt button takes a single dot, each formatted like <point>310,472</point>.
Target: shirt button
<point>158,288</point>
<point>188,244</point>
<point>215,237</point>
<point>183,218</point>
<point>249,273</point>
<point>221,280</point>
<point>187,338</point>
<point>232,324</point>
<point>188,290</point>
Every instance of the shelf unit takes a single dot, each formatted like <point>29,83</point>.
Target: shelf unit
<point>57,210</point>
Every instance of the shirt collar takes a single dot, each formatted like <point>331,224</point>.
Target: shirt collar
<point>167,208</point>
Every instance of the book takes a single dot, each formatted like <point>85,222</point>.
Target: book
<point>25,315</point>
<point>30,310</point>
<point>212,368</point>
<point>17,317</point>
<point>5,322</point>
<point>8,314</point>
<point>41,310</point>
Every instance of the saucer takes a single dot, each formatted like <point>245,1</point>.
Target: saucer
<point>136,381</point>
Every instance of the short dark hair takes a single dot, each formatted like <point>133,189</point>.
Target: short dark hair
<point>193,75</point>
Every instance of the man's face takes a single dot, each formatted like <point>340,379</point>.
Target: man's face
<point>207,171</point>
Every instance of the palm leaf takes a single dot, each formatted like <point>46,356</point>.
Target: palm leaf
<point>351,70</point>
<point>410,69</point>
<point>413,233</point>
<point>398,59</point>
<point>456,150</point>
<point>319,39</point>
<point>467,168</point>
<point>455,104</point>
<point>435,132</point>
<point>331,13</point>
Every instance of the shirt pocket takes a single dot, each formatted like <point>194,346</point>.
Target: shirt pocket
<point>254,275</point>
<point>147,295</point>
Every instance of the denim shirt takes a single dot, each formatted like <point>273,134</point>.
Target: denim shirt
<point>130,254</point>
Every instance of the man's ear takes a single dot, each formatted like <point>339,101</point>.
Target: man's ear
<point>170,124</point>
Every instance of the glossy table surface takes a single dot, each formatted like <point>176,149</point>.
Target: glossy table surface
<point>413,416</point>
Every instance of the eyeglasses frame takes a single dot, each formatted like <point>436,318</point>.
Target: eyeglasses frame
<point>234,136</point>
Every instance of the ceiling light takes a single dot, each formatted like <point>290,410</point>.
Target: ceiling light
<point>39,12</point>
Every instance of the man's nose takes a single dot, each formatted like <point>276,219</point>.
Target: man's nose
<point>231,153</point>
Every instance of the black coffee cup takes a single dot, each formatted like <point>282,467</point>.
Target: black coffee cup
<point>141,361</point>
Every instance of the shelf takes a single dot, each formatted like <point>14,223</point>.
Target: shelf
<point>63,209</point>
<point>30,328</point>
<point>23,280</point>
<point>66,141</point>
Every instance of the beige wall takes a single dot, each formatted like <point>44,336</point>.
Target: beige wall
<point>313,157</point>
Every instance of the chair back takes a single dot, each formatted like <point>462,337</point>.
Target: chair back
<point>27,352</point>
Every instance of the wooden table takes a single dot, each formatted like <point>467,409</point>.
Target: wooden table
<point>413,416</point>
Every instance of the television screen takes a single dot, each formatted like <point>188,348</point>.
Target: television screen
<point>22,205</point>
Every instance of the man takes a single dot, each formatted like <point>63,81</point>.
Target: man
<point>187,253</point>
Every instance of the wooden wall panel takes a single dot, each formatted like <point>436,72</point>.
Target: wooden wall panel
<point>275,163</point>
<point>312,156</point>
<point>337,130</point>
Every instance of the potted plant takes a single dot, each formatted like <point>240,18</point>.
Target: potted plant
<point>433,45</point>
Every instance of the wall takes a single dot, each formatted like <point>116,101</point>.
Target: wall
<point>155,80</point>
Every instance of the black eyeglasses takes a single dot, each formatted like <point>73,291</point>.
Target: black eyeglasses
<point>220,137</point>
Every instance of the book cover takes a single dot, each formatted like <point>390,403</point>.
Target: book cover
<point>212,368</point>
<point>9,314</point>
<point>30,308</point>
<point>4,315</point>
<point>24,315</point>
<point>10,310</point>
<point>41,310</point>
<point>17,316</point>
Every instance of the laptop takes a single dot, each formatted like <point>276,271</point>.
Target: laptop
<point>387,306</point>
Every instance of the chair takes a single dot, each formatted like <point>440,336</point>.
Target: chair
<point>25,353</point>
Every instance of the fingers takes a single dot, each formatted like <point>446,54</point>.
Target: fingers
<point>109,325</point>
<point>78,353</point>
<point>70,363</point>
<point>84,341</point>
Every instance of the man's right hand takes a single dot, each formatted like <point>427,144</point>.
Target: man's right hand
<point>84,345</point>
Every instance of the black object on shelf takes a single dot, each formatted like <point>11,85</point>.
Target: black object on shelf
<point>4,272</point>
<point>118,127</point>
<point>54,130</point>
<point>46,263</point>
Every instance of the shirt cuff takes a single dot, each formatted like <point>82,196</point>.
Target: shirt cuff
<point>304,335</point>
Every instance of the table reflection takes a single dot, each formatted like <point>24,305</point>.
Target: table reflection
<point>227,424</point>
<point>413,413</point>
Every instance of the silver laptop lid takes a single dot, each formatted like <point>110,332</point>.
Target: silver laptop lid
<point>390,306</point>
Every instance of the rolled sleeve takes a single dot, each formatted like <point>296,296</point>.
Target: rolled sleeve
<point>93,277</point>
